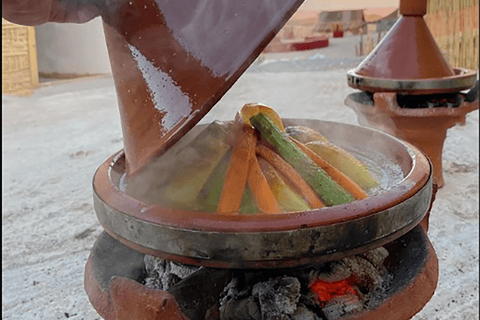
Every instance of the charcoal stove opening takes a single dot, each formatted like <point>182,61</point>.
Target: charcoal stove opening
<point>445,100</point>
<point>383,285</point>
<point>372,277</point>
<point>327,291</point>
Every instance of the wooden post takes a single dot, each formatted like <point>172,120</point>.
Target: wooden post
<point>32,53</point>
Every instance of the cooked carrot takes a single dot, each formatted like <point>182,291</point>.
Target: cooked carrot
<point>327,189</point>
<point>260,189</point>
<point>237,172</point>
<point>293,176</point>
<point>342,179</point>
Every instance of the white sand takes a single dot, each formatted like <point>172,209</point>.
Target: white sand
<point>54,140</point>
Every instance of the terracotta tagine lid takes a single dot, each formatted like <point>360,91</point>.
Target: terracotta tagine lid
<point>173,60</point>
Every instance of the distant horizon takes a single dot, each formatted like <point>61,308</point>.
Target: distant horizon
<point>329,5</point>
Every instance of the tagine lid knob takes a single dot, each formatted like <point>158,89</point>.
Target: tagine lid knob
<point>413,7</point>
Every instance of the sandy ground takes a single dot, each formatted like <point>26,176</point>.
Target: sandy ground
<point>54,140</point>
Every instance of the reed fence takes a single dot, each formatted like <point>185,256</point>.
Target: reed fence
<point>19,59</point>
<point>454,25</point>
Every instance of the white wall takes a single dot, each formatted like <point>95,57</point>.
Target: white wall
<point>335,5</point>
<point>68,48</point>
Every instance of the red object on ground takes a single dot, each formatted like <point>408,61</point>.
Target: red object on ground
<point>338,34</point>
<point>311,43</point>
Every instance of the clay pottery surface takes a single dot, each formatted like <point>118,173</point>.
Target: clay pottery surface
<point>408,60</point>
<point>425,128</point>
<point>114,286</point>
<point>275,241</point>
<point>408,51</point>
<point>173,60</point>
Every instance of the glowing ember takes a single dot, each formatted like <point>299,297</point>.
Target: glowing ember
<point>326,291</point>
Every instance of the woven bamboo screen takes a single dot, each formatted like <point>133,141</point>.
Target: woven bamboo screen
<point>19,59</point>
<point>454,25</point>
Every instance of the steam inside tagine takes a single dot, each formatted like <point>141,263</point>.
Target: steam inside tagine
<point>255,165</point>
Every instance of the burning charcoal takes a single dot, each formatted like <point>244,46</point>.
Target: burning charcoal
<point>213,313</point>
<point>155,268</point>
<point>341,306</point>
<point>448,100</point>
<point>182,270</point>
<point>349,285</point>
<point>310,299</point>
<point>278,298</point>
<point>245,309</point>
<point>163,274</point>
<point>364,272</point>
<point>154,264</point>
<point>376,256</point>
<point>154,283</point>
<point>338,271</point>
<point>302,313</point>
<point>229,292</point>
<point>377,296</point>
<point>170,281</point>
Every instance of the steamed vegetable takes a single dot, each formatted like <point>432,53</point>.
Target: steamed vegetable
<point>342,179</point>
<point>293,177</point>
<point>248,205</point>
<point>204,153</point>
<point>261,192</point>
<point>251,109</point>
<point>329,191</point>
<point>345,162</point>
<point>237,172</point>
<point>304,134</point>
<point>256,165</point>
<point>212,189</point>
<point>288,199</point>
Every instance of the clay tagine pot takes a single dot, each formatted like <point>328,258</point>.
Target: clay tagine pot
<point>408,62</point>
<point>274,241</point>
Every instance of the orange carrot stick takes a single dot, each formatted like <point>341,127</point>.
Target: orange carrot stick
<point>343,180</point>
<point>237,172</point>
<point>293,176</point>
<point>261,191</point>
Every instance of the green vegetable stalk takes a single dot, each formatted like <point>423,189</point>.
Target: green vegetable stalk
<point>330,192</point>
